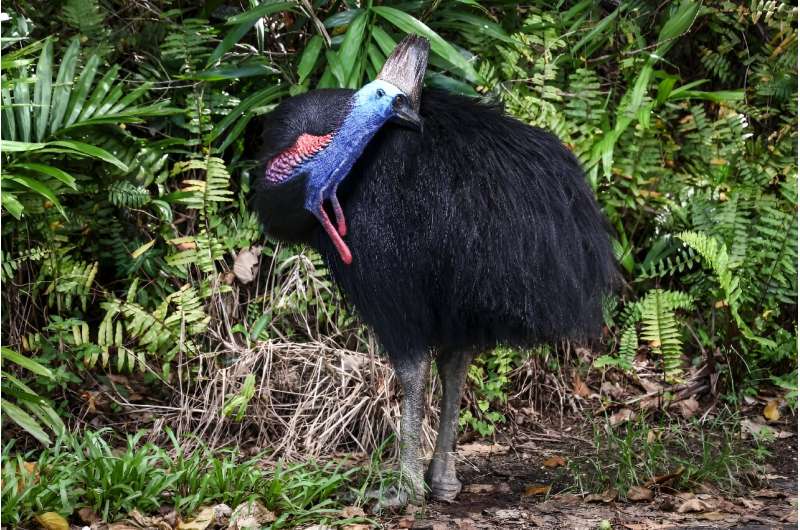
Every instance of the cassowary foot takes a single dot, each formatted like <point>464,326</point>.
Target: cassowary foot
<point>393,499</point>
<point>445,490</point>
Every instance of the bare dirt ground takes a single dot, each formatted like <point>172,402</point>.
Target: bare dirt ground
<point>506,485</point>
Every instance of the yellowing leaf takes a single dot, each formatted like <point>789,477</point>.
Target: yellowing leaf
<point>771,411</point>
<point>203,520</point>
<point>554,461</point>
<point>538,489</point>
<point>579,388</point>
<point>52,521</point>
<point>144,248</point>
<point>638,493</point>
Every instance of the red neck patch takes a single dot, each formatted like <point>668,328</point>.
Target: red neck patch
<point>283,165</point>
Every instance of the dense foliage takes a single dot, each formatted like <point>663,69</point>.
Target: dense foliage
<point>127,238</point>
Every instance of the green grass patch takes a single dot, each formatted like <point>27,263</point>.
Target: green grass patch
<point>691,452</point>
<point>86,471</point>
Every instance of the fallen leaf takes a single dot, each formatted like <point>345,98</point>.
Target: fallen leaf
<point>245,264</point>
<point>718,516</point>
<point>30,467</point>
<point>203,520</point>
<point>537,489</point>
<point>688,407</point>
<point>359,526</point>
<point>691,505</point>
<point>52,521</point>
<point>480,449</point>
<point>88,516</point>
<point>222,514</point>
<point>405,522</point>
<point>509,513</point>
<point>610,495</point>
<point>638,493</point>
<point>250,515</point>
<point>579,388</point>
<point>487,488</point>
<point>663,479</point>
<point>352,362</point>
<point>756,428</point>
<point>464,524</point>
<point>751,504</point>
<point>621,416</point>
<point>650,386</point>
<point>768,494</point>
<point>186,245</point>
<point>554,461</point>
<point>612,389</point>
<point>351,512</point>
<point>771,411</point>
<point>653,435</point>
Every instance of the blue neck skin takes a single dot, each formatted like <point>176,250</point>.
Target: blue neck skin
<point>370,108</point>
<point>329,167</point>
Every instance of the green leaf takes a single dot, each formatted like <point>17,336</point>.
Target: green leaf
<point>309,58</point>
<point>42,90</point>
<point>29,364</point>
<point>92,151</point>
<point>25,420</point>
<point>63,86</point>
<point>439,46</point>
<point>384,41</point>
<point>81,90</point>
<point>51,171</point>
<point>259,325</point>
<point>231,72</point>
<point>36,186</point>
<point>254,100</point>
<point>11,204</point>
<point>142,249</point>
<point>349,54</point>
<point>22,108</point>
<point>10,146</point>
<point>244,22</point>
<point>101,90</point>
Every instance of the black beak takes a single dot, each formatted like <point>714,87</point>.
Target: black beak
<point>404,114</point>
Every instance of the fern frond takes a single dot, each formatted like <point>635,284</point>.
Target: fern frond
<point>660,328</point>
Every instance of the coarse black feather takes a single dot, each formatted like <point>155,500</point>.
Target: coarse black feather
<point>479,231</point>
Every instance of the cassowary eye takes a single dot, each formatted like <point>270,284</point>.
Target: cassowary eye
<point>380,93</point>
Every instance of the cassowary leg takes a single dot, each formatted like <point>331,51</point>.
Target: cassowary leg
<point>413,377</point>
<point>441,474</point>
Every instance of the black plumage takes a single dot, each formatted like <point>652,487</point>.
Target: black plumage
<point>475,231</point>
<point>480,230</point>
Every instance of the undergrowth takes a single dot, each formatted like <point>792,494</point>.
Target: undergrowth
<point>87,471</point>
<point>679,455</point>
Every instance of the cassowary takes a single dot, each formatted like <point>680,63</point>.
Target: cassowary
<point>449,226</point>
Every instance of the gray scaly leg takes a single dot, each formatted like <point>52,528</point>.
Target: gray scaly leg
<point>414,379</point>
<point>441,474</point>
<point>413,376</point>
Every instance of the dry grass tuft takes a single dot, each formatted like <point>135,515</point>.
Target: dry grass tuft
<point>311,399</point>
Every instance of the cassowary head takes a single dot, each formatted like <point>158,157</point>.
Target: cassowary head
<point>314,140</point>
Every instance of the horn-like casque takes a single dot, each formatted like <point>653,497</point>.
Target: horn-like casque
<point>406,66</point>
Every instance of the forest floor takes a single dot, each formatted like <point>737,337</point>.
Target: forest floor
<point>528,481</point>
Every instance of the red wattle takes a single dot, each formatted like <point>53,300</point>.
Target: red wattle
<point>336,239</point>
